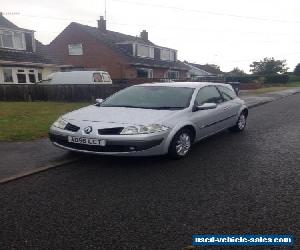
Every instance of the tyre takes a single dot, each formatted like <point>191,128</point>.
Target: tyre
<point>181,144</point>
<point>240,124</point>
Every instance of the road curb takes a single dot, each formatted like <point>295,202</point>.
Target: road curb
<point>38,170</point>
<point>272,100</point>
<point>259,104</point>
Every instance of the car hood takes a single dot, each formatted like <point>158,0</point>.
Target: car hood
<point>120,115</point>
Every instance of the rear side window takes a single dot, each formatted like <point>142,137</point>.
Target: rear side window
<point>106,77</point>
<point>97,77</point>
<point>227,93</point>
<point>208,94</point>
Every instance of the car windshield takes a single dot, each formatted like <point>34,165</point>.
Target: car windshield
<point>151,97</point>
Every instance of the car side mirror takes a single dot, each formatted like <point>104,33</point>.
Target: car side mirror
<point>205,106</point>
<point>99,101</point>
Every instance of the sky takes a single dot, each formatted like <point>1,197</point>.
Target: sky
<point>231,33</point>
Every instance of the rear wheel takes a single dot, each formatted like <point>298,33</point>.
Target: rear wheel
<point>181,144</point>
<point>240,124</point>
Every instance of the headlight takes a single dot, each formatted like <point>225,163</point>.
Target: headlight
<point>60,123</point>
<point>153,128</point>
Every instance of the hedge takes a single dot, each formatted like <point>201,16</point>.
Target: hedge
<point>276,78</point>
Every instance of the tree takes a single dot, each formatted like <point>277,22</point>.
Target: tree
<point>237,72</point>
<point>268,66</point>
<point>297,70</point>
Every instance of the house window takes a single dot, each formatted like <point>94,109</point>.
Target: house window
<point>21,78</point>
<point>75,49</point>
<point>144,73</point>
<point>32,78</point>
<point>7,75</point>
<point>40,76</point>
<point>172,74</point>
<point>167,55</point>
<point>145,51</point>
<point>12,40</point>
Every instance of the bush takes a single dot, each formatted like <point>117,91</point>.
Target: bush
<point>294,78</point>
<point>276,78</point>
<point>242,79</point>
<point>297,70</point>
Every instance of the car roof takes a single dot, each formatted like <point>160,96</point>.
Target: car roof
<point>182,84</point>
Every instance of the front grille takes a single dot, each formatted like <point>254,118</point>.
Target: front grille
<point>110,131</point>
<point>71,127</point>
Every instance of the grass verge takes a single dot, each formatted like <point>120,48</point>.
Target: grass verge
<point>279,87</point>
<point>23,121</point>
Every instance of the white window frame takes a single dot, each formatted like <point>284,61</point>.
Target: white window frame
<point>171,55</point>
<point>172,71</point>
<point>150,53</point>
<point>149,71</point>
<point>15,71</point>
<point>2,31</point>
<point>75,53</point>
<point>12,75</point>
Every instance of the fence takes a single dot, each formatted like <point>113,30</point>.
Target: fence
<point>69,92</point>
<point>62,93</point>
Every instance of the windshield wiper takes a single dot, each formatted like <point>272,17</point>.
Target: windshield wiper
<point>168,108</point>
<point>141,107</point>
<point>120,106</point>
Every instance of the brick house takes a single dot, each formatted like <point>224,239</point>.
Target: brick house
<point>123,56</point>
<point>23,59</point>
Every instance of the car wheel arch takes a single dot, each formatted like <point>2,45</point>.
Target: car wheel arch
<point>175,130</point>
<point>246,111</point>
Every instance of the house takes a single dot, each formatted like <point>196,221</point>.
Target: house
<point>123,56</point>
<point>198,71</point>
<point>23,59</point>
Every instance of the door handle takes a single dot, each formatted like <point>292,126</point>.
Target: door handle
<point>225,108</point>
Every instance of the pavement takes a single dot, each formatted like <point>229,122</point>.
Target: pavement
<point>231,183</point>
<point>260,99</point>
<point>19,159</point>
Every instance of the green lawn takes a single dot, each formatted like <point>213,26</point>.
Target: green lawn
<point>23,121</point>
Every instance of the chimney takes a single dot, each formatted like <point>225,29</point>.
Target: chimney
<point>102,24</point>
<point>144,35</point>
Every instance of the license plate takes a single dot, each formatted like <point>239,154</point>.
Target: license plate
<point>86,141</point>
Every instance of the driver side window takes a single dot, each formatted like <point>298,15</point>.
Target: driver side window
<point>208,94</point>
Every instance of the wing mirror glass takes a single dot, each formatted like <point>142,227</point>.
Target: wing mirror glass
<point>205,106</point>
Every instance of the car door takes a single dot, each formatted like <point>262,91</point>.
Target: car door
<point>208,121</point>
<point>229,105</point>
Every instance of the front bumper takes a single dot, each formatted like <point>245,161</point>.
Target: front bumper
<point>121,145</point>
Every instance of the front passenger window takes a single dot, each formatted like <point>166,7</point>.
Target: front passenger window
<point>208,95</point>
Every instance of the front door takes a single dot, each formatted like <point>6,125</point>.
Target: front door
<point>212,120</point>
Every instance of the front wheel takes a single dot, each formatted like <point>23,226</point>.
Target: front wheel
<point>240,124</point>
<point>181,144</point>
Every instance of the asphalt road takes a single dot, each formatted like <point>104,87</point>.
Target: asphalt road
<point>230,184</point>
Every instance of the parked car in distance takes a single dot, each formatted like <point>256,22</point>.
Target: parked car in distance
<point>151,119</point>
<point>78,77</point>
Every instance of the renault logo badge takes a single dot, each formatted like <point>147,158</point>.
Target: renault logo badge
<point>88,129</point>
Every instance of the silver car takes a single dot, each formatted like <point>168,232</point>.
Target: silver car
<point>151,119</point>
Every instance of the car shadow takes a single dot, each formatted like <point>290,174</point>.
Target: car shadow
<point>201,151</point>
